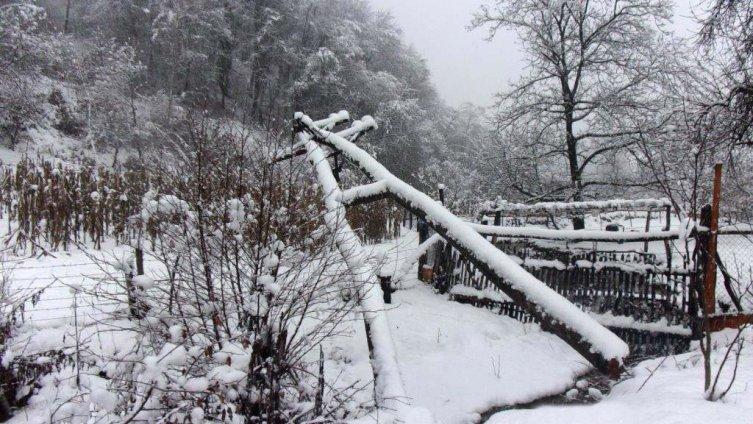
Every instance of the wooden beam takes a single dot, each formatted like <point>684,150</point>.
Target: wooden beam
<point>574,236</point>
<point>556,314</point>
<point>720,322</point>
<point>709,278</point>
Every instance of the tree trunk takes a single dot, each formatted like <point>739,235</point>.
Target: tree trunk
<point>67,16</point>
<point>572,158</point>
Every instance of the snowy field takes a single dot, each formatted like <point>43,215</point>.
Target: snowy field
<point>81,301</point>
<point>456,360</point>
<point>60,277</point>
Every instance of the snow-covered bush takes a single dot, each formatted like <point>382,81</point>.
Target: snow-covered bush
<point>20,372</point>
<point>242,293</point>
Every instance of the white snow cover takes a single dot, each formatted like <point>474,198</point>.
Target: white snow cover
<point>666,390</point>
<point>595,235</point>
<point>621,321</point>
<point>492,295</point>
<point>460,361</point>
<point>366,190</point>
<point>143,281</point>
<point>559,207</point>
<point>389,386</point>
<point>406,265</point>
<point>602,341</point>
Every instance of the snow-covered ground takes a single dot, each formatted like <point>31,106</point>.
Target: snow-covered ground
<point>456,360</point>
<point>56,277</point>
<point>96,319</point>
<point>459,361</point>
<point>662,391</point>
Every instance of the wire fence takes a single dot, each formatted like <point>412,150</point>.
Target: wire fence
<point>735,270</point>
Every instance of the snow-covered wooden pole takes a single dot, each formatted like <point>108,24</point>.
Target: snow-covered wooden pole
<point>555,313</point>
<point>390,393</point>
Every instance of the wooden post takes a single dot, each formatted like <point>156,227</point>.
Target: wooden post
<point>441,188</point>
<point>135,305</point>
<point>385,283</point>
<point>648,227</point>
<point>131,292</point>
<point>139,261</point>
<point>423,235</point>
<point>698,298</point>
<point>497,223</point>
<point>709,280</point>
<point>668,243</point>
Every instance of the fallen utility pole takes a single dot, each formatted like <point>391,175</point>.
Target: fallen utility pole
<point>389,391</point>
<point>556,314</point>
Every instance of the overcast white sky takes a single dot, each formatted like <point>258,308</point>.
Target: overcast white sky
<point>464,66</point>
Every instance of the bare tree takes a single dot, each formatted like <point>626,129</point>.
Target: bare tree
<point>591,87</point>
<point>727,32</point>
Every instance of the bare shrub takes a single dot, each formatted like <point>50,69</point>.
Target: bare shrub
<point>242,293</point>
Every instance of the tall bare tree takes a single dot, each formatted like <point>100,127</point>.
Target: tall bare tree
<point>591,86</point>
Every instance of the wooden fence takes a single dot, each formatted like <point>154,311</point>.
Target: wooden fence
<point>649,307</point>
<point>656,304</point>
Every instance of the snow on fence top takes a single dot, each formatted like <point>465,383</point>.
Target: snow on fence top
<point>554,208</point>
<point>575,236</point>
<point>592,340</point>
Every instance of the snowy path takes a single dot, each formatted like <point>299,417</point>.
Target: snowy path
<point>459,361</point>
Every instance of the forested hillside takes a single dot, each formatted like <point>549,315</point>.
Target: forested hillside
<point>118,75</point>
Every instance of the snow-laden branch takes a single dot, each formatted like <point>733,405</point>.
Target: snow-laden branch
<point>579,207</point>
<point>359,128</point>
<point>363,193</point>
<point>557,315</point>
<point>299,147</point>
